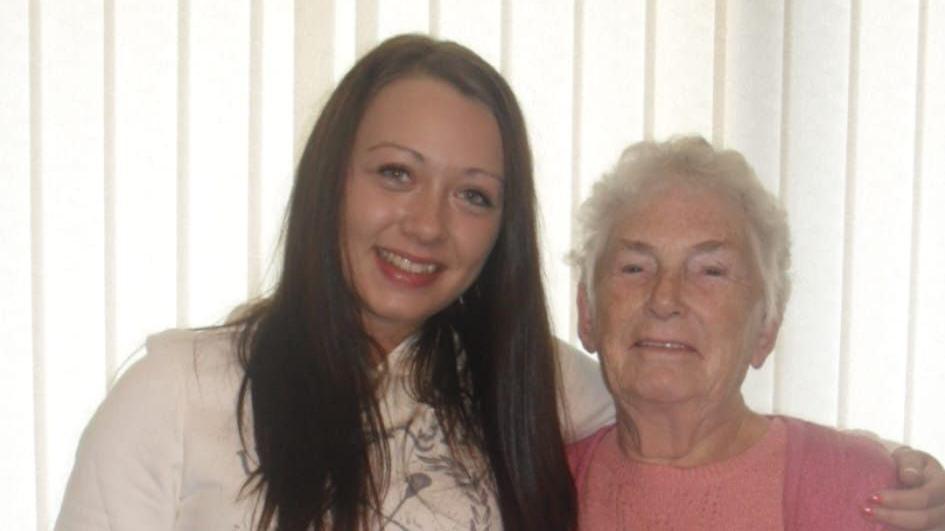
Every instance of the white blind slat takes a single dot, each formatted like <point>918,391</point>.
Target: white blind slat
<point>882,220</point>
<point>17,476</point>
<point>145,166</point>
<point>73,251</point>
<point>683,67</point>
<point>365,29</point>
<point>476,24</point>
<point>753,85</point>
<point>540,55</point>
<point>276,135</point>
<point>315,49</point>
<point>402,16</point>
<point>345,37</point>
<point>815,151</point>
<point>927,429</point>
<point>218,159</point>
<point>613,42</point>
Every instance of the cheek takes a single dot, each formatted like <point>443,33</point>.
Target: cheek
<point>364,214</point>
<point>476,239</point>
<point>734,315</point>
<point>723,307</point>
<point>619,307</point>
<point>612,330</point>
<point>352,211</point>
<point>619,370</point>
<point>735,335</point>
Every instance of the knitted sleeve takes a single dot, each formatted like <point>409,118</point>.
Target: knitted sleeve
<point>829,476</point>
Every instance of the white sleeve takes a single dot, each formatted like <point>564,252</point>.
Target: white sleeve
<point>128,466</point>
<point>586,404</point>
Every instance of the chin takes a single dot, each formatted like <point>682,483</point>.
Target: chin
<point>662,392</point>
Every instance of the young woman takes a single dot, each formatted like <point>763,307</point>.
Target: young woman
<point>401,375</point>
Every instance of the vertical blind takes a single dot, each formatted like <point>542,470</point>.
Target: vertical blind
<point>147,151</point>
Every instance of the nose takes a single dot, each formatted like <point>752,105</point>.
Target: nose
<point>665,299</point>
<point>425,217</point>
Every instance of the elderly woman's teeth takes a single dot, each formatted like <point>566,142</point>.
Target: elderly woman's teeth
<point>664,344</point>
<point>405,264</point>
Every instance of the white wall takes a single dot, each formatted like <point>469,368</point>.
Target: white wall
<point>147,150</point>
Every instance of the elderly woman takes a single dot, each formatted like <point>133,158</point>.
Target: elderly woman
<point>684,260</point>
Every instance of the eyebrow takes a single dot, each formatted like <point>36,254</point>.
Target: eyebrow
<point>471,171</point>
<point>635,245</point>
<point>711,246</point>
<point>701,247</point>
<point>414,153</point>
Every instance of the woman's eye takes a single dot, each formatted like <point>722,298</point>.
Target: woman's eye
<point>631,269</point>
<point>394,173</point>
<point>477,198</point>
<point>714,271</point>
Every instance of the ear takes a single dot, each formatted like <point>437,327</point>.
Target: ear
<point>586,320</point>
<point>767,337</point>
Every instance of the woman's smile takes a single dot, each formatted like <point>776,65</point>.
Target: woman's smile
<point>667,346</point>
<point>409,270</point>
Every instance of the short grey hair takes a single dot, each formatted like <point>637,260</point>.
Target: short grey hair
<point>646,164</point>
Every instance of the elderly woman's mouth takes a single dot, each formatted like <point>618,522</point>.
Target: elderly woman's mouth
<point>664,345</point>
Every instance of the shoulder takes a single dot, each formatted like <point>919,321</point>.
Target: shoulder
<point>196,350</point>
<point>839,450</point>
<point>130,461</point>
<point>154,393</point>
<point>830,474</point>
<point>581,453</point>
<point>177,365</point>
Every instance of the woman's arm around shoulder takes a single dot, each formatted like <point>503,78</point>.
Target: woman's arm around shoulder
<point>128,465</point>
<point>585,404</point>
<point>919,502</point>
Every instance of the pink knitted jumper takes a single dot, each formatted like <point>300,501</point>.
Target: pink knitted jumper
<point>798,476</point>
<point>741,493</point>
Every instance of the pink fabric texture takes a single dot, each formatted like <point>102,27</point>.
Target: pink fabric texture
<point>800,476</point>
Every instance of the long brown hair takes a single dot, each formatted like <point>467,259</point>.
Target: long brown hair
<point>308,360</point>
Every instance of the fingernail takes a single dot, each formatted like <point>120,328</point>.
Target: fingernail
<point>875,499</point>
<point>868,512</point>
<point>911,470</point>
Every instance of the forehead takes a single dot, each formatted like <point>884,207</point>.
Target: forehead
<point>681,214</point>
<point>431,115</point>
